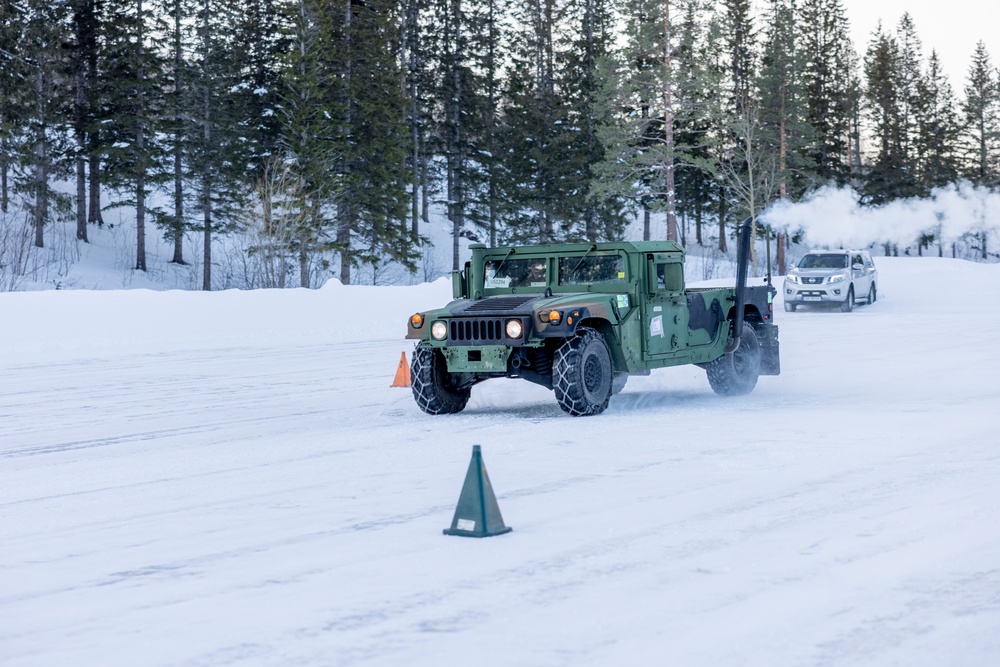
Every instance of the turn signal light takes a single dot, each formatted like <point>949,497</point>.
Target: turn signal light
<point>555,317</point>
<point>417,320</point>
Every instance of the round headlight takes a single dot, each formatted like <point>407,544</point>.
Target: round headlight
<point>514,329</point>
<point>439,330</point>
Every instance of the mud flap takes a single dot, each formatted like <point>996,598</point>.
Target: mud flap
<point>770,362</point>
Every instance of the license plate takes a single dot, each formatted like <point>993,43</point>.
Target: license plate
<point>812,298</point>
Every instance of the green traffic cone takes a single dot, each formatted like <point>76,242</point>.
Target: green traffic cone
<point>477,514</point>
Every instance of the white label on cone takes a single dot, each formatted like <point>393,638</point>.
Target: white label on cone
<point>466,524</point>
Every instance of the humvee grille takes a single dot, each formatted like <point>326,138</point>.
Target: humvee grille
<point>499,304</point>
<point>476,331</point>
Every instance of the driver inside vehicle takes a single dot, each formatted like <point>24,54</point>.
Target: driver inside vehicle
<point>536,274</point>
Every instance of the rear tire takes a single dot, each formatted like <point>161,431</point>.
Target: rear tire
<point>872,295</point>
<point>848,304</point>
<point>736,374</point>
<point>435,389</point>
<point>582,374</point>
<point>618,383</point>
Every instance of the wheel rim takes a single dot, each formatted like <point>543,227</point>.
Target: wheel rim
<point>593,374</point>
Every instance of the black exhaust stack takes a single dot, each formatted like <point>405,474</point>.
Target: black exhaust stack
<point>742,264</point>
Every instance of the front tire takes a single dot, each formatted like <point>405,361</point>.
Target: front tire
<point>789,307</point>
<point>736,374</point>
<point>582,374</point>
<point>848,304</point>
<point>435,389</point>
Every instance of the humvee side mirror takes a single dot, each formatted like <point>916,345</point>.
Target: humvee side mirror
<point>458,284</point>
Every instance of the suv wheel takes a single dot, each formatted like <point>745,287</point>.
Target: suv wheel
<point>435,389</point>
<point>871,294</point>
<point>789,307</point>
<point>735,374</point>
<point>582,374</point>
<point>848,304</point>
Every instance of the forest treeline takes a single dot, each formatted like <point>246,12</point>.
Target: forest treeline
<point>327,131</point>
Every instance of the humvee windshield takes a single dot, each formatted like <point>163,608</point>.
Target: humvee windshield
<point>591,270</point>
<point>529,272</point>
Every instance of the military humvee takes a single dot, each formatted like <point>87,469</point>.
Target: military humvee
<point>580,318</point>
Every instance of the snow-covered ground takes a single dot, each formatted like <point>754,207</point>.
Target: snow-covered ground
<point>227,479</point>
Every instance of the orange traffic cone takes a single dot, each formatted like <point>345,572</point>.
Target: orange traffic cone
<point>402,373</point>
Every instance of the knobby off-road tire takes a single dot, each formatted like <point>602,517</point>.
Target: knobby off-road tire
<point>582,374</point>
<point>848,304</point>
<point>736,374</point>
<point>618,383</point>
<point>433,386</point>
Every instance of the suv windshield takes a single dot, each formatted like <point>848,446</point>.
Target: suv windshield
<point>825,261</point>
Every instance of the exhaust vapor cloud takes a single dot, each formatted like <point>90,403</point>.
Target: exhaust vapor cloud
<point>833,217</point>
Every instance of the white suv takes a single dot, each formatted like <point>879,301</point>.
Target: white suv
<point>832,277</point>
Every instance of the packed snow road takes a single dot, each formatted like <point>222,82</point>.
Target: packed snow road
<point>228,479</point>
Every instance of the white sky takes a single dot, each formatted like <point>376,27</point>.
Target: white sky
<point>951,28</point>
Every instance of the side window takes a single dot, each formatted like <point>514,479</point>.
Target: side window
<point>670,277</point>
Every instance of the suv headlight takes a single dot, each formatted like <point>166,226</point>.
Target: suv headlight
<point>792,279</point>
<point>839,278</point>
<point>439,330</point>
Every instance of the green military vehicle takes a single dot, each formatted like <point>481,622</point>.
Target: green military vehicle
<point>580,318</point>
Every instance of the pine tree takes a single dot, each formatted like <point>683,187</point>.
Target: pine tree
<point>981,115</point>
<point>784,110</point>
<point>215,146</point>
<point>538,130</point>
<point>938,129</point>
<point>178,100</point>
<point>783,104</point>
<point>886,176</point>
<point>830,82</point>
<point>741,43</point>
<point>12,93</point>
<point>981,111</point>
<point>45,110</point>
<point>457,88</point>
<point>910,75</point>
<point>367,120</point>
<point>310,141</point>
<point>86,25</point>
<point>487,49</point>
<point>587,46</point>
<point>135,102</point>
<point>695,87</point>
<point>654,103</point>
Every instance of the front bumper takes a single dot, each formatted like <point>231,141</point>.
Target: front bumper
<point>826,293</point>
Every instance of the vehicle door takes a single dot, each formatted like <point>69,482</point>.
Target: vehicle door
<point>665,315</point>
<point>860,276</point>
